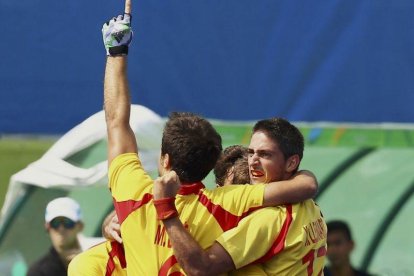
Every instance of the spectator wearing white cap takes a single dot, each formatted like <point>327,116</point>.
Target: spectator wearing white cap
<point>63,222</point>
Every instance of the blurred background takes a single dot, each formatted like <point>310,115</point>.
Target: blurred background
<point>342,70</point>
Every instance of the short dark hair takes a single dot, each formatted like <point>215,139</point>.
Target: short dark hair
<point>233,157</point>
<point>287,136</point>
<point>192,144</point>
<point>339,226</point>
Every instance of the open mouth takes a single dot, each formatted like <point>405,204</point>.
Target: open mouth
<point>256,173</point>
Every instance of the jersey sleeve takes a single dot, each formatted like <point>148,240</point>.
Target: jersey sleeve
<point>97,260</point>
<point>90,262</point>
<point>251,270</point>
<point>127,178</point>
<point>241,242</point>
<point>240,199</point>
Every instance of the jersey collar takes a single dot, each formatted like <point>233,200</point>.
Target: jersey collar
<point>190,188</point>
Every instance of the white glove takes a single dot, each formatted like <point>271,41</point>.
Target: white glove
<point>117,35</point>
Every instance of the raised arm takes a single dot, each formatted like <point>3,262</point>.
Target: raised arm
<point>117,35</point>
<point>121,138</point>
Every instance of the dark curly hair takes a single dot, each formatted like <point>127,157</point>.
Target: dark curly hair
<point>192,144</point>
<point>233,157</point>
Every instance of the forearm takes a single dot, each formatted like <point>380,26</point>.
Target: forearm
<point>121,138</point>
<point>300,187</point>
<point>116,91</point>
<point>192,258</point>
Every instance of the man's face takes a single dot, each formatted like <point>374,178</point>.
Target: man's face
<point>63,232</point>
<point>339,248</point>
<point>266,161</point>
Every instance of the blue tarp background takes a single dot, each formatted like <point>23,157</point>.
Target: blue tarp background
<point>337,60</point>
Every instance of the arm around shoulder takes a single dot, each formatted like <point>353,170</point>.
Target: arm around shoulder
<point>303,185</point>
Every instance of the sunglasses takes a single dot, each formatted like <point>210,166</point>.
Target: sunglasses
<point>67,223</point>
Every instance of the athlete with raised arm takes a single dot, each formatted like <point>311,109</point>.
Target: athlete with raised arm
<point>189,150</point>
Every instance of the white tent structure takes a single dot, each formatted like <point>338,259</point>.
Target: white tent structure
<point>74,166</point>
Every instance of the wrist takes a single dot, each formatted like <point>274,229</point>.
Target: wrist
<point>121,50</point>
<point>165,208</point>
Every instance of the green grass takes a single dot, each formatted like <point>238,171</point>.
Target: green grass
<point>16,154</point>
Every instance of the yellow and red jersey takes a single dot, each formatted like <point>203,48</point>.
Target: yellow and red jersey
<point>284,240</point>
<point>205,213</point>
<point>107,258</point>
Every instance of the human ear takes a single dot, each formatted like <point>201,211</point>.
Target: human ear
<point>166,162</point>
<point>292,163</point>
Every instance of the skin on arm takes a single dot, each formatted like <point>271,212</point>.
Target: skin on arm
<point>303,185</point>
<point>117,105</point>
<point>191,256</point>
<point>121,138</point>
<point>194,259</point>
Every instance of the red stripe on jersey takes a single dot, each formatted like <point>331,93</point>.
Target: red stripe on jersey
<point>190,188</point>
<point>321,251</point>
<point>225,219</point>
<point>279,243</point>
<point>124,208</point>
<point>176,273</point>
<point>167,265</point>
<point>110,267</point>
<point>117,250</point>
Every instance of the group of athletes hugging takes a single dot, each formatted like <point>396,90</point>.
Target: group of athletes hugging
<point>174,225</point>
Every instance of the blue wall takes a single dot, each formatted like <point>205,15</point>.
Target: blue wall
<point>337,60</point>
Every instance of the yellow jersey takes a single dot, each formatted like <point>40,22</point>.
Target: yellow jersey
<point>205,213</point>
<point>284,240</point>
<point>107,258</point>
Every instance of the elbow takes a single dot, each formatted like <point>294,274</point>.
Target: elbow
<point>198,268</point>
<point>111,117</point>
<point>115,114</point>
<point>114,120</point>
<point>313,188</point>
<point>311,183</point>
<point>197,271</point>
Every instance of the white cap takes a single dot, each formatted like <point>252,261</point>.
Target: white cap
<point>63,207</point>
